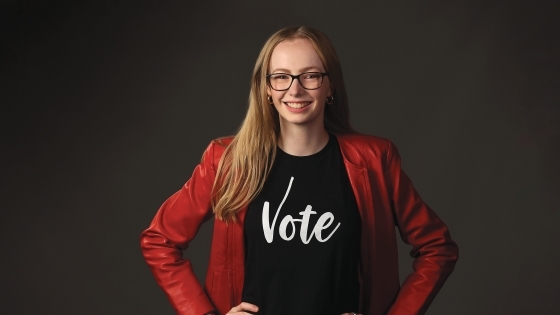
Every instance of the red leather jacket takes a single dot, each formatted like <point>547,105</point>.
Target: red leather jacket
<point>385,198</point>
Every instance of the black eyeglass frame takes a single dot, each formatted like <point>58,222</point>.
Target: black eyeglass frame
<point>323,75</point>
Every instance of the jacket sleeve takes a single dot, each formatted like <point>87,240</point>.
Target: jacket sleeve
<point>173,227</point>
<point>433,250</point>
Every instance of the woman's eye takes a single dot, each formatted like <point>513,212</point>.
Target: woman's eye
<point>311,76</point>
<point>280,77</point>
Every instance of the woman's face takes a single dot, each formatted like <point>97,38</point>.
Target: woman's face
<point>298,106</point>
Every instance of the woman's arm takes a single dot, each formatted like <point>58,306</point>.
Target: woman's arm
<point>173,227</point>
<point>433,250</point>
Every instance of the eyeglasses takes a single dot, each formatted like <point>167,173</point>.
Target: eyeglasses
<point>308,80</point>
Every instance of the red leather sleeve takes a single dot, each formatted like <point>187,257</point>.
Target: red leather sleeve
<point>433,250</point>
<point>173,227</point>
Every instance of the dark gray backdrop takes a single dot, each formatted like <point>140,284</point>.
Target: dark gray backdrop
<point>107,106</point>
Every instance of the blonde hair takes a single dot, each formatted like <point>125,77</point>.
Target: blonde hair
<point>248,159</point>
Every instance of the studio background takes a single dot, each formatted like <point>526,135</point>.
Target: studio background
<point>107,107</point>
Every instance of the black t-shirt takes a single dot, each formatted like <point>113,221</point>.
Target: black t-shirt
<point>302,235</point>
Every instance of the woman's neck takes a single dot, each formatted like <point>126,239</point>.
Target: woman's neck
<point>302,141</point>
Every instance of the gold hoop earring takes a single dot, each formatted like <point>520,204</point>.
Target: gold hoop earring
<point>330,100</point>
<point>270,101</point>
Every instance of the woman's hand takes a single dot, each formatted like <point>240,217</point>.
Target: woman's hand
<point>244,306</point>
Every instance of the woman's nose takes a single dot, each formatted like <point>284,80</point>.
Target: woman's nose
<point>295,88</point>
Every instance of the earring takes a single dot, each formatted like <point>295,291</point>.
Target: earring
<point>270,101</point>
<point>330,100</point>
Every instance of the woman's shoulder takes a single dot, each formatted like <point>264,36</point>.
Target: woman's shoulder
<point>362,149</point>
<point>216,149</point>
<point>221,143</point>
<point>364,140</point>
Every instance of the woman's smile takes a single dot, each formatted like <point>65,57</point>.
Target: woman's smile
<point>297,104</point>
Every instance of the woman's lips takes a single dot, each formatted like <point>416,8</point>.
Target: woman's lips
<point>297,105</point>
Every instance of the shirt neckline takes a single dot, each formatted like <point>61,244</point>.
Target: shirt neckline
<point>313,156</point>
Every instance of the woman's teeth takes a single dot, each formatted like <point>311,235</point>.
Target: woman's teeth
<point>298,105</point>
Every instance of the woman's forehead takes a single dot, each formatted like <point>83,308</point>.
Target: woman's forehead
<point>296,55</point>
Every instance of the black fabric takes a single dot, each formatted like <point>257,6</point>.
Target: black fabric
<point>283,274</point>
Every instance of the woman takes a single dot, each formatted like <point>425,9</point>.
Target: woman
<point>304,208</point>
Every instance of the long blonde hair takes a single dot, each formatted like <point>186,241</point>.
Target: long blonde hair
<point>248,159</point>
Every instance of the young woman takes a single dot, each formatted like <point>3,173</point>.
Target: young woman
<point>304,208</point>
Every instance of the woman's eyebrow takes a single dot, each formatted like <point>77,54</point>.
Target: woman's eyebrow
<point>282,70</point>
<point>309,68</point>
